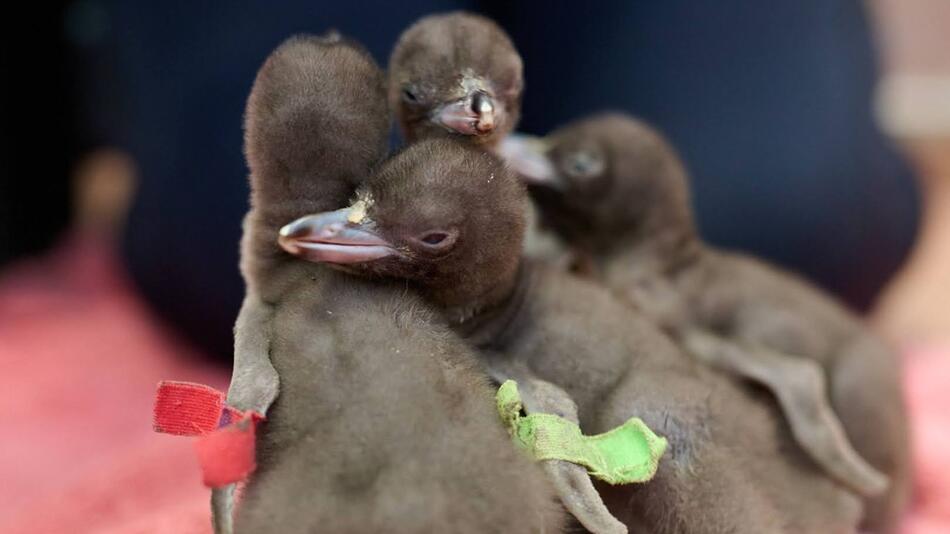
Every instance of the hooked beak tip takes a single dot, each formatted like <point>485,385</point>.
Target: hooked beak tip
<point>485,125</point>
<point>288,243</point>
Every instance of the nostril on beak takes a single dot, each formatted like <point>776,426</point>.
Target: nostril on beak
<point>331,230</point>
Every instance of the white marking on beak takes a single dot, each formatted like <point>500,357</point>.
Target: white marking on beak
<point>357,212</point>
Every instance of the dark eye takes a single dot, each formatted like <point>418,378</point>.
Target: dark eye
<point>409,96</point>
<point>434,238</point>
<point>584,164</point>
<point>437,240</point>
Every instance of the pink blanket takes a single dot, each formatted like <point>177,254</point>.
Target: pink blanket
<point>80,357</point>
<point>927,379</point>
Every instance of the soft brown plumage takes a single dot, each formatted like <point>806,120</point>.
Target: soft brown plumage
<point>729,467</point>
<point>442,70</point>
<point>444,67</point>
<point>618,194</point>
<point>382,422</point>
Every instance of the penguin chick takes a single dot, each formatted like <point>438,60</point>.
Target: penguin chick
<point>798,384</point>
<point>383,423</point>
<point>331,237</point>
<point>459,75</point>
<point>456,74</point>
<point>617,193</point>
<point>288,127</point>
<point>449,218</point>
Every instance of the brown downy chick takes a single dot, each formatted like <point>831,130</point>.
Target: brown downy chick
<point>594,207</point>
<point>423,254</point>
<point>448,219</point>
<point>314,98</point>
<point>456,75</point>
<point>316,123</point>
<point>617,193</point>
<point>383,423</point>
<point>289,138</point>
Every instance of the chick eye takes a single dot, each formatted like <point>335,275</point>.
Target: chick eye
<point>409,96</point>
<point>434,238</point>
<point>584,164</point>
<point>437,240</point>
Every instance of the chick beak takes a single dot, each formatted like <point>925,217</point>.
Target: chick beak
<point>527,156</point>
<point>333,237</point>
<point>472,115</point>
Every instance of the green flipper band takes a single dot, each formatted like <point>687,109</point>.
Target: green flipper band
<point>629,453</point>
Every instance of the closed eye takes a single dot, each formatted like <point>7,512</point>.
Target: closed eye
<point>437,240</point>
<point>434,238</point>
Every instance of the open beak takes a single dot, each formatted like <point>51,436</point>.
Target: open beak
<point>527,156</point>
<point>472,115</point>
<point>331,237</point>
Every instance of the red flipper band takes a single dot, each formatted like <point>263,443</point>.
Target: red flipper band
<point>226,435</point>
<point>227,454</point>
<point>186,408</point>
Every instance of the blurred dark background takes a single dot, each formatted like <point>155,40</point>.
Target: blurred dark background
<point>768,102</point>
<point>40,135</point>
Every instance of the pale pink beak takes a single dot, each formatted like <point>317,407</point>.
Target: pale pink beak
<point>472,115</point>
<point>331,238</point>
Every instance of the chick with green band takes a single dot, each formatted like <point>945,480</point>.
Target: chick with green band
<point>626,454</point>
